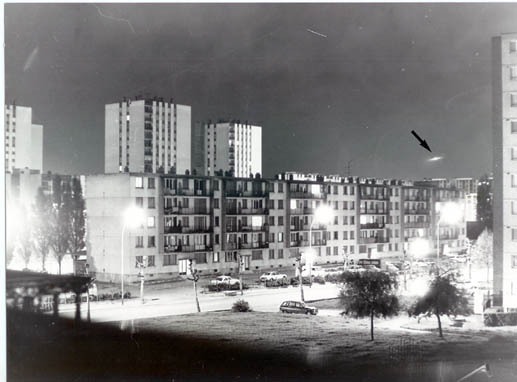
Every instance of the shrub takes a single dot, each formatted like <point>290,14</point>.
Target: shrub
<point>332,277</point>
<point>318,280</point>
<point>501,319</point>
<point>241,306</point>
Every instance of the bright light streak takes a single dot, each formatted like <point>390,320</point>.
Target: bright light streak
<point>434,159</point>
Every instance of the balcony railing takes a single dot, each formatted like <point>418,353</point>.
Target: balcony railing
<point>181,229</point>
<point>373,211</point>
<point>372,226</point>
<point>248,228</point>
<point>417,225</point>
<point>305,243</point>
<point>188,248</point>
<point>185,192</point>
<point>246,211</point>
<point>304,195</point>
<point>307,227</point>
<point>302,211</point>
<point>372,240</point>
<point>416,211</point>
<point>245,194</point>
<point>449,237</point>
<point>186,211</point>
<point>416,198</point>
<point>374,196</point>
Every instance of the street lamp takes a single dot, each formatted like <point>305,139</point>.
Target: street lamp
<point>132,218</point>
<point>322,215</point>
<point>450,213</point>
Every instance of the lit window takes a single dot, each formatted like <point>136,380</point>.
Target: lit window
<point>139,182</point>
<point>150,222</point>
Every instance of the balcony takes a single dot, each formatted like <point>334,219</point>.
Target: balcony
<point>415,198</point>
<point>258,244</point>
<point>187,248</point>
<point>248,228</point>
<point>186,211</point>
<point>305,243</point>
<point>372,240</point>
<point>373,211</point>
<point>246,211</point>
<point>372,226</point>
<point>180,229</point>
<point>305,195</point>
<point>302,211</point>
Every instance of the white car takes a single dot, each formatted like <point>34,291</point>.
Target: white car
<point>225,280</point>
<point>270,276</point>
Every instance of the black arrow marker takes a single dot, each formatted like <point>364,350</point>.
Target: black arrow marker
<point>423,143</point>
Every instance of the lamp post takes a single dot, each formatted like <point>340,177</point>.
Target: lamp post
<point>322,215</point>
<point>133,217</point>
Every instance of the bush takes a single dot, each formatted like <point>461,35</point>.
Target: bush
<point>332,277</point>
<point>501,319</point>
<point>318,280</point>
<point>241,306</point>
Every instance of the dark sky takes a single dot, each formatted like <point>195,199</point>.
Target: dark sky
<point>329,83</point>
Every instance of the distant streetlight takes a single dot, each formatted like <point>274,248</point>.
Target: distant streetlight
<point>322,215</point>
<point>450,213</point>
<point>132,218</point>
<point>418,248</point>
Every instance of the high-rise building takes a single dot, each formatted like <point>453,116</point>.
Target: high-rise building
<point>504,121</point>
<point>23,140</point>
<point>232,147</point>
<point>147,135</point>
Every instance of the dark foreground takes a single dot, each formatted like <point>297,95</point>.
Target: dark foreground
<point>40,348</point>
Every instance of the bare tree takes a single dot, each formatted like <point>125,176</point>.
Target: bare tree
<point>194,276</point>
<point>77,217</point>
<point>60,219</point>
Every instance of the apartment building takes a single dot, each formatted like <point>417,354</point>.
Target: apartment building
<point>232,147</point>
<point>231,225</point>
<point>504,122</point>
<point>147,135</point>
<point>23,140</point>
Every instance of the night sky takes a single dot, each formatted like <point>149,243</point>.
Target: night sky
<point>329,83</point>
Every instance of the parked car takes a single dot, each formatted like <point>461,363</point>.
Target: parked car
<point>225,280</point>
<point>355,268</point>
<point>297,307</point>
<point>270,276</point>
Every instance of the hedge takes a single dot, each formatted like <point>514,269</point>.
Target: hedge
<point>501,319</point>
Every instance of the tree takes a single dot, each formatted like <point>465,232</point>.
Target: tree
<point>482,252</point>
<point>443,298</point>
<point>42,228</point>
<point>194,276</point>
<point>60,219</point>
<point>77,217</point>
<point>369,294</point>
<point>484,202</point>
<point>25,239</point>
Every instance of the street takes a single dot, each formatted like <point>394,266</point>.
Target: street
<point>178,301</point>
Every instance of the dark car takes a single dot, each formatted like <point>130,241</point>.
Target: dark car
<point>297,307</point>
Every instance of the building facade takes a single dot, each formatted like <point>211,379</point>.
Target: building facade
<point>147,135</point>
<point>23,140</point>
<point>231,225</point>
<point>232,147</point>
<point>504,121</point>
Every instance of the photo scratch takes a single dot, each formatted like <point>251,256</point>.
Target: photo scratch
<point>114,18</point>
<point>316,33</point>
<point>30,59</point>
